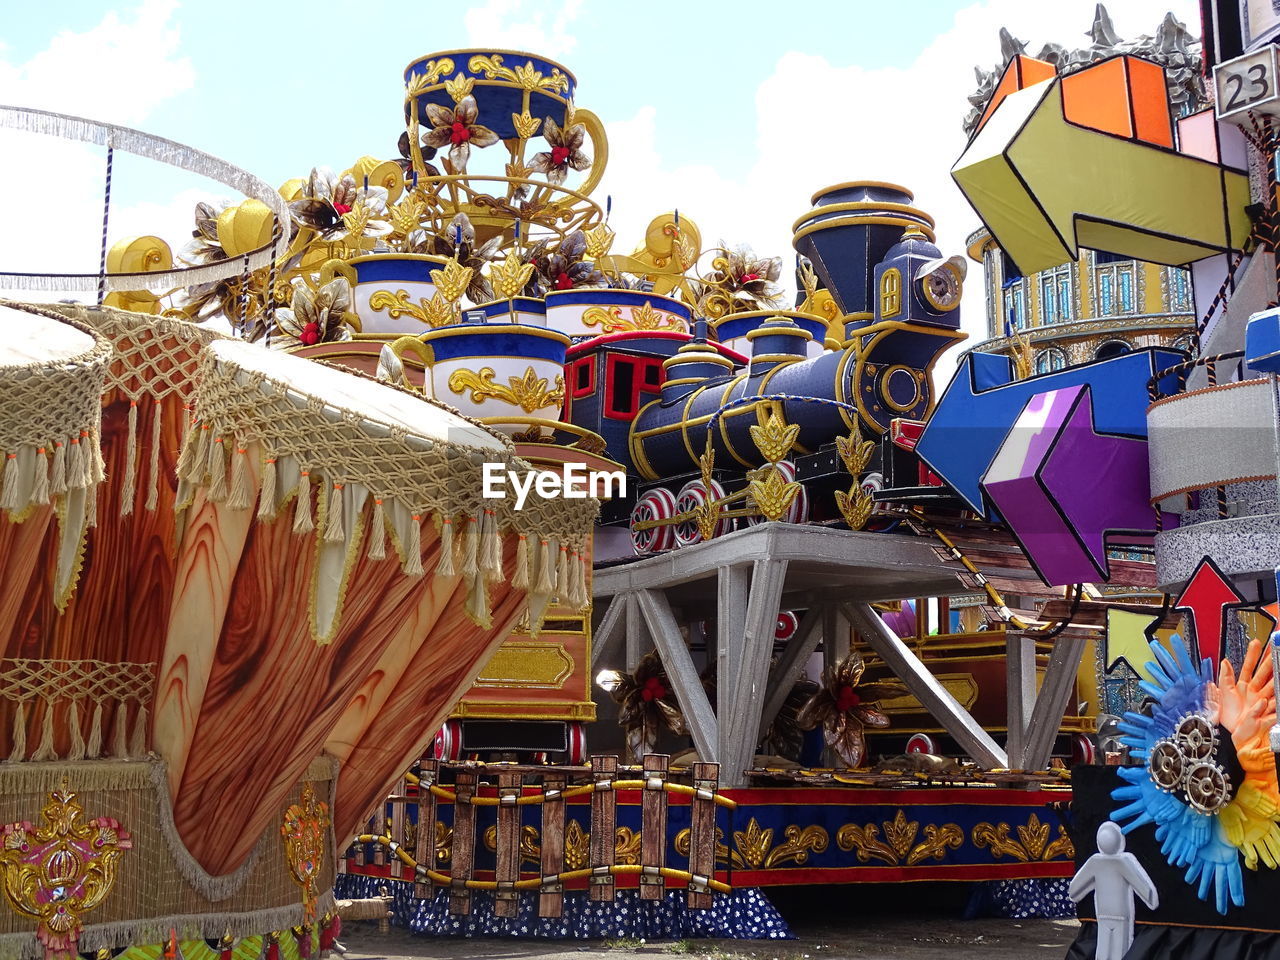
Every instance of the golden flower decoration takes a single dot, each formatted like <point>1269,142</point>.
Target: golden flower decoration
<point>510,276</point>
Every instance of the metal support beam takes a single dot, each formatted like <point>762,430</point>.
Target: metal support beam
<point>1051,705</point>
<point>612,628</point>
<point>933,696</point>
<point>635,634</point>
<point>750,654</point>
<point>792,662</point>
<point>1020,689</point>
<point>684,678</point>
<point>732,583</point>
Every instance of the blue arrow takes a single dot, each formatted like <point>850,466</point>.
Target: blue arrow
<point>982,402</point>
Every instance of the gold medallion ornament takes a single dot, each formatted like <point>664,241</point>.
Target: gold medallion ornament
<point>304,830</point>
<point>61,871</point>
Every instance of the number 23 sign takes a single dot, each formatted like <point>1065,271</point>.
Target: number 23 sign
<point>1248,84</point>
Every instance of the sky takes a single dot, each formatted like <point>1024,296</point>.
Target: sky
<point>733,114</point>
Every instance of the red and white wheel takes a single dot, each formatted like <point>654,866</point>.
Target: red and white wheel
<point>921,743</point>
<point>1083,750</point>
<point>658,504</point>
<point>692,496</point>
<point>798,512</point>
<point>788,623</point>
<point>577,741</point>
<point>448,742</point>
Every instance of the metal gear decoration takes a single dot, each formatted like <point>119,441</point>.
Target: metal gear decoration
<point>1167,766</point>
<point>1208,788</point>
<point>1197,737</point>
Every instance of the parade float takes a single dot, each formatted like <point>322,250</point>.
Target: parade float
<point>853,626</point>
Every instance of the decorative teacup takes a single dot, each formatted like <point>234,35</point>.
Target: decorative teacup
<point>592,311</point>
<point>390,290</point>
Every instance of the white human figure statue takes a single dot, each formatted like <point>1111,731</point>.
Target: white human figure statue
<point>1113,877</point>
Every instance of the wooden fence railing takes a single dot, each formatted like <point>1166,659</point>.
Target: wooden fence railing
<point>414,837</point>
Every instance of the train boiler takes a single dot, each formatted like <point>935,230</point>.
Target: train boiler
<point>898,300</point>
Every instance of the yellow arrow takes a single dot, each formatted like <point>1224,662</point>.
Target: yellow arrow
<point>1127,640</point>
<point>1046,187</point>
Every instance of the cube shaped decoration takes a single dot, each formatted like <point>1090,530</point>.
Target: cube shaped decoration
<point>1022,72</point>
<point>1123,96</point>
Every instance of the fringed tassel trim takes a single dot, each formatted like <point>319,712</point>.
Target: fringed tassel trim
<point>241,497</point>
<point>46,751</point>
<point>578,598</point>
<point>491,548</point>
<point>19,749</point>
<point>546,570</point>
<point>40,489</point>
<point>153,481</point>
<point>128,488</point>
<point>376,548</point>
<point>520,580</point>
<point>138,742</point>
<point>563,585</point>
<point>218,489</point>
<point>9,491</point>
<point>58,471</point>
<point>78,749</point>
<point>445,568</point>
<point>413,548</point>
<point>470,549</point>
<point>334,528</point>
<point>268,504</point>
<point>93,748</point>
<point>119,732</point>
<point>302,521</point>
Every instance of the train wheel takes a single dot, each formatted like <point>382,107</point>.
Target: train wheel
<point>787,625</point>
<point>1082,750</point>
<point>448,742</point>
<point>692,496</point>
<point>577,737</point>
<point>657,504</point>
<point>921,743</point>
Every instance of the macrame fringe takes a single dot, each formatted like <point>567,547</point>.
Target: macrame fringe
<point>563,586</point>
<point>19,751</point>
<point>241,497</point>
<point>546,570</point>
<point>444,567</point>
<point>192,455</point>
<point>40,489</point>
<point>578,582</point>
<point>129,486</point>
<point>119,730</point>
<point>334,531</point>
<point>520,581</point>
<point>98,466</point>
<point>377,542</point>
<point>85,776</point>
<point>77,751</point>
<point>413,548</point>
<point>58,472</point>
<point>94,747</point>
<point>302,521</point>
<point>491,548</point>
<point>218,490</point>
<point>138,743</point>
<point>75,465</point>
<point>153,482</point>
<point>45,751</point>
<point>470,549</point>
<point>268,505</point>
<point>9,491</point>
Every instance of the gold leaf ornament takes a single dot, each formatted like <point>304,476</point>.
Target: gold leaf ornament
<point>528,391</point>
<point>599,241</point>
<point>775,494</point>
<point>774,438</point>
<point>452,281</point>
<point>526,125</point>
<point>435,69</point>
<point>460,87</point>
<point>510,276</point>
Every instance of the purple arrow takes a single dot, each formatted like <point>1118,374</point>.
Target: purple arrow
<point>1068,492</point>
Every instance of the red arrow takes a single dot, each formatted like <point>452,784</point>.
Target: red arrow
<point>1207,595</point>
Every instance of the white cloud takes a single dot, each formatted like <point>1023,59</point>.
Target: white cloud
<point>533,25</point>
<point>118,71</point>
<point>819,124</point>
